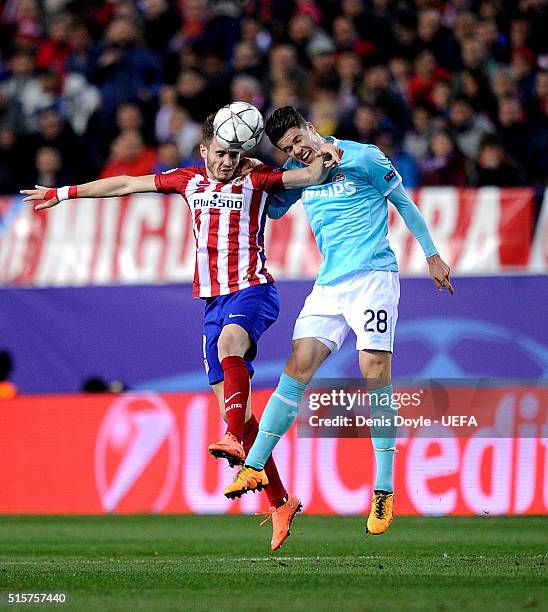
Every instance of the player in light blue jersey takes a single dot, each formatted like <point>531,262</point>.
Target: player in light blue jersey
<point>357,288</point>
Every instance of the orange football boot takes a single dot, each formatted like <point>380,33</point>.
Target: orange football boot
<point>247,479</point>
<point>282,517</point>
<point>228,448</point>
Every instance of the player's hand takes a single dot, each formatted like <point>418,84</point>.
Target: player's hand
<point>331,154</point>
<point>439,271</point>
<point>38,194</point>
<point>247,165</point>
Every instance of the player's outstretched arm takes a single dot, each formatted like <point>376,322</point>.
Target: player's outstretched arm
<point>103,188</point>
<point>439,270</point>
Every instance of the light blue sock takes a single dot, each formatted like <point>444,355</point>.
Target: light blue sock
<point>383,437</point>
<point>278,416</point>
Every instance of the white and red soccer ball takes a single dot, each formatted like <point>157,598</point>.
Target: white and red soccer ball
<point>238,126</point>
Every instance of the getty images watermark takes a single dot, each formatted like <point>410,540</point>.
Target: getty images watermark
<point>355,408</point>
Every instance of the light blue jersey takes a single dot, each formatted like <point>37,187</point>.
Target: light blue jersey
<point>348,213</point>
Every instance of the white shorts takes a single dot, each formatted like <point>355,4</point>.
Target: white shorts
<point>366,303</point>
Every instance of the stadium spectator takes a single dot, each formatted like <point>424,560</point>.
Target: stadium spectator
<point>167,157</point>
<point>129,157</point>
<point>538,104</point>
<point>70,93</point>
<point>284,66</point>
<point>363,125</point>
<point>86,59</point>
<point>349,71</point>
<point>167,101</point>
<point>247,89</point>
<point>192,93</point>
<point>464,26</point>
<point>494,167</point>
<point>467,126</point>
<point>84,51</point>
<point>512,128</point>
<point>130,118</point>
<point>522,66</point>
<point>26,31</point>
<point>474,56</point>
<point>323,113</point>
<point>305,36</point>
<point>433,36</point>
<point>487,32</point>
<point>445,164</point>
<point>503,83</point>
<point>125,71</point>
<point>55,132</point>
<point>425,77</point>
<point>473,85</point>
<point>183,131</point>
<point>11,160</point>
<point>15,90</point>
<point>54,51</point>
<point>403,162</point>
<point>441,98</point>
<point>347,38</point>
<point>49,169</point>
<point>161,22</point>
<point>417,138</point>
<point>400,71</point>
<point>246,59</point>
<point>252,30</point>
<point>321,54</point>
<point>377,90</point>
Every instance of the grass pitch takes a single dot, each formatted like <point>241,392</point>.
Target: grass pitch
<point>224,563</point>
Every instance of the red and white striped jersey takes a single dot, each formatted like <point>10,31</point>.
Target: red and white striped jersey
<point>228,224</point>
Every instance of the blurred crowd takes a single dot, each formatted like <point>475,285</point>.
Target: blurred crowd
<point>454,92</point>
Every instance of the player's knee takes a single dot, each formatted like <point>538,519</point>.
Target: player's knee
<point>231,343</point>
<point>375,365</point>
<point>300,368</point>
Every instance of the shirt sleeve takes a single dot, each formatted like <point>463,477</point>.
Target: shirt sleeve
<point>281,201</point>
<point>379,170</point>
<point>268,178</point>
<point>170,181</point>
<point>413,219</point>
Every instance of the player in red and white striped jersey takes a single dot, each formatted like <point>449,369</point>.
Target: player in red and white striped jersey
<point>228,222</point>
<point>228,200</point>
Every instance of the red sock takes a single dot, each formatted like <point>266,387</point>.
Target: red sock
<point>236,391</point>
<point>275,491</point>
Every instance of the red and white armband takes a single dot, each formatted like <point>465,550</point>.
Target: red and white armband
<point>62,193</point>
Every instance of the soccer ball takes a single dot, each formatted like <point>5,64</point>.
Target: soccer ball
<point>238,126</point>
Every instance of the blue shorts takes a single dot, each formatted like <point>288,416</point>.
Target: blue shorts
<point>254,308</point>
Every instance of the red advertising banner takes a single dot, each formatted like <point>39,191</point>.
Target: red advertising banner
<point>147,453</point>
<point>148,238</point>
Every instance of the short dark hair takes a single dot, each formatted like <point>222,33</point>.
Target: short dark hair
<point>490,140</point>
<point>281,120</point>
<point>207,129</point>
